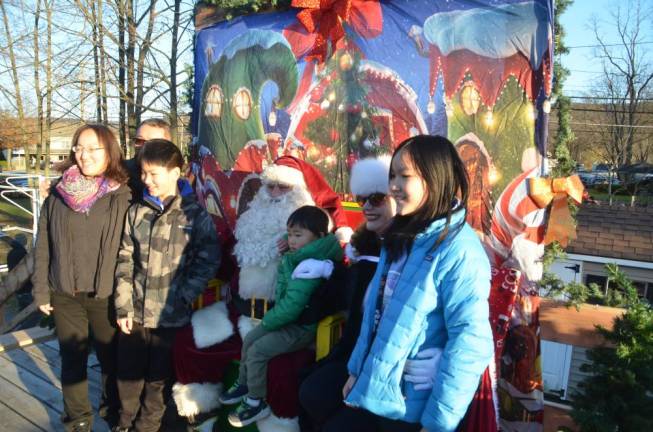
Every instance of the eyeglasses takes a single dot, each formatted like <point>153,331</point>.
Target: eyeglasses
<point>282,187</point>
<point>79,149</point>
<point>375,199</point>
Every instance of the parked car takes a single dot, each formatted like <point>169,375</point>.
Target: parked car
<point>604,177</point>
<point>586,177</point>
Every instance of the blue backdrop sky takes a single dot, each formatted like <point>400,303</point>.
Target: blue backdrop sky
<point>582,58</point>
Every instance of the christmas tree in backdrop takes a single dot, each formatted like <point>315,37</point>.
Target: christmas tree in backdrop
<point>345,132</point>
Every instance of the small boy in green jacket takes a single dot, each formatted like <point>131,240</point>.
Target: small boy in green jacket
<point>279,331</point>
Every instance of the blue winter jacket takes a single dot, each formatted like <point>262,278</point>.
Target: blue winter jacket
<point>441,300</point>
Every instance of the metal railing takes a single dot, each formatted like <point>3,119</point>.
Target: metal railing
<point>13,185</point>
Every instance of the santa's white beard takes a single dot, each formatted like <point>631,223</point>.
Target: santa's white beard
<point>257,231</point>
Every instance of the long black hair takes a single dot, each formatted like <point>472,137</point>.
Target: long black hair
<point>445,179</point>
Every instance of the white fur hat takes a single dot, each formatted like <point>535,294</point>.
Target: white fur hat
<point>370,176</point>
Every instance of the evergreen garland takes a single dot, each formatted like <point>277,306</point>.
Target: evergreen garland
<point>564,164</point>
<point>235,8</point>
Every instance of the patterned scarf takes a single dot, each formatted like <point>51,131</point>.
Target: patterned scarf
<point>80,192</point>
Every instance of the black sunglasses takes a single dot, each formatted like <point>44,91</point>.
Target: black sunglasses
<point>375,199</point>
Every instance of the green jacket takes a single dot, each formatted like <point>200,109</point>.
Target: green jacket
<point>292,295</point>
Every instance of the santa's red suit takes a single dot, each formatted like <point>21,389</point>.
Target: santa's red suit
<point>205,349</point>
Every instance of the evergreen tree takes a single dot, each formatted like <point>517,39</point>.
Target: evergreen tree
<point>618,396</point>
<point>346,132</point>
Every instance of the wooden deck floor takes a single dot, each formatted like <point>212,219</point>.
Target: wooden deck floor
<point>30,388</point>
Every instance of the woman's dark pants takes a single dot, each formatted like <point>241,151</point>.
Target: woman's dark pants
<point>73,316</point>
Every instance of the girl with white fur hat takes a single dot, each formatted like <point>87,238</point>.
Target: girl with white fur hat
<point>321,392</point>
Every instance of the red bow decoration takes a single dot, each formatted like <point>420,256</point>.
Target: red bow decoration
<point>323,20</point>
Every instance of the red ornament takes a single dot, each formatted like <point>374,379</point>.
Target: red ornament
<point>354,109</point>
<point>334,135</point>
<point>351,160</point>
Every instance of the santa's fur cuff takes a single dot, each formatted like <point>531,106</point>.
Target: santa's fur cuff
<point>273,423</point>
<point>195,398</point>
<point>211,325</point>
<point>245,325</point>
<point>343,234</point>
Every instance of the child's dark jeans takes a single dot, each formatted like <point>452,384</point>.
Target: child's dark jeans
<point>144,369</point>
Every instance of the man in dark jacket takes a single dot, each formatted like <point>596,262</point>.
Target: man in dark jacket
<point>154,128</point>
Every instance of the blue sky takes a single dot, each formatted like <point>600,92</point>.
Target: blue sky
<point>582,61</point>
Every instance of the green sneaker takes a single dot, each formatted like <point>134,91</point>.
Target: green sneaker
<point>235,394</point>
<point>246,414</point>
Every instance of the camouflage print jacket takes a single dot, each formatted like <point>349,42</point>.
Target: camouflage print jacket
<point>166,258</point>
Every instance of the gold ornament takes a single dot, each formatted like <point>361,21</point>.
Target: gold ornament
<point>313,153</point>
<point>346,62</point>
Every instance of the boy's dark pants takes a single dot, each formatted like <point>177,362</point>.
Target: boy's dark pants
<point>72,317</point>
<point>144,369</point>
<point>261,345</point>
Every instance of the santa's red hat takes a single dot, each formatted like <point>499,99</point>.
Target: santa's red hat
<point>296,172</point>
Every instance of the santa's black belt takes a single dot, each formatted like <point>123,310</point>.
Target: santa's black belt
<point>253,308</point>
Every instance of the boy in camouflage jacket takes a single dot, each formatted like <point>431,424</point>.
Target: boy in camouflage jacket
<point>169,251</point>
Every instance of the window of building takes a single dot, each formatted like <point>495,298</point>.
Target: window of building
<point>601,281</point>
<point>242,103</point>
<point>644,289</point>
<point>213,102</point>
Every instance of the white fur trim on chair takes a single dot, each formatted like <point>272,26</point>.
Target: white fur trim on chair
<point>195,398</point>
<point>211,325</point>
<point>245,325</point>
<point>273,423</point>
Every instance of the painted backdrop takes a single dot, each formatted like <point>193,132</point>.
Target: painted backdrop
<point>353,78</point>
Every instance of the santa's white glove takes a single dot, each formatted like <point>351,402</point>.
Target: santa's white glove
<point>313,269</point>
<point>421,370</point>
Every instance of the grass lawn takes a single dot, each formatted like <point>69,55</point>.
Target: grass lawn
<point>640,199</point>
<point>12,215</point>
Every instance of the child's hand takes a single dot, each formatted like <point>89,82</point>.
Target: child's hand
<point>348,385</point>
<point>282,245</point>
<point>125,325</point>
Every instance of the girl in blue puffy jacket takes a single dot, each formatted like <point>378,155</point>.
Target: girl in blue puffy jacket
<point>430,290</point>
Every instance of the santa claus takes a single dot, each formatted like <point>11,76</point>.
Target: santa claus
<point>203,352</point>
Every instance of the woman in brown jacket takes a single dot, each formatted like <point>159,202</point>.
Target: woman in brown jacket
<point>75,260</point>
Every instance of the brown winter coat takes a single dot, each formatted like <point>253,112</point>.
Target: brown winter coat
<point>62,265</point>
